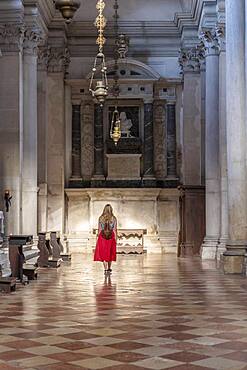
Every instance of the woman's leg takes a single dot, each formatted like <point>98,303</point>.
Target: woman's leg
<point>105,265</point>
<point>109,266</point>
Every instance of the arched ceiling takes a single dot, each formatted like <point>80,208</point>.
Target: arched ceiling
<point>136,10</point>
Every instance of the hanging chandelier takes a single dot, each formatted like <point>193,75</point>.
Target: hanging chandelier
<point>115,130</point>
<point>100,90</point>
<point>67,8</point>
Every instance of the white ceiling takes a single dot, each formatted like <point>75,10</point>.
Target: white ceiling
<point>135,10</point>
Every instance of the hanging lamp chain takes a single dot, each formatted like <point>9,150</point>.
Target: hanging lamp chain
<point>115,131</point>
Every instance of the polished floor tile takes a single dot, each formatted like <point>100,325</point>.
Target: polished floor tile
<point>155,312</point>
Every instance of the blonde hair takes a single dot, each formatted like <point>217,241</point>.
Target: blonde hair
<point>107,214</point>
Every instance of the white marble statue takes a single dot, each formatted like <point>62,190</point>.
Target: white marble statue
<point>126,125</point>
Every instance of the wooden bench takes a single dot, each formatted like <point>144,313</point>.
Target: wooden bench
<point>30,271</point>
<point>7,284</point>
<point>129,241</point>
<point>54,262</point>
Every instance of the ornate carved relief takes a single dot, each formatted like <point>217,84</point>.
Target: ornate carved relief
<point>43,58</point>
<point>18,37</point>
<point>58,59</point>
<point>190,59</point>
<point>32,38</point>
<point>159,139</point>
<point>11,36</point>
<point>210,41</point>
<point>87,140</point>
<point>171,141</point>
<point>221,36</point>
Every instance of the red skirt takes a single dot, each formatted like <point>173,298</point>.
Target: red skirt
<point>106,250</point>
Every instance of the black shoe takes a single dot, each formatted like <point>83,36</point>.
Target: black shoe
<point>109,271</point>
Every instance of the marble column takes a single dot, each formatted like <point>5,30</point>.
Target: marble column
<point>210,243</point>
<point>203,125</point>
<point>11,121</point>
<point>192,200</point>
<point>236,136</point>
<point>171,141</point>
<point>29,158</point>
<point>42,146</point>
<point>192,154</point>
<point>58,62</point>
<point>220,33</point>
<point>160,163</point>
<point>148,160</point>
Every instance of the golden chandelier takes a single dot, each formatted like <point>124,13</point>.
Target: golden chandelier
<point>100,91</point>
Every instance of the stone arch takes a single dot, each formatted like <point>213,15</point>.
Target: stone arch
<point>133,69</point>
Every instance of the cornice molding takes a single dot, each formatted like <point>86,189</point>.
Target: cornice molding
<point>44,10</point>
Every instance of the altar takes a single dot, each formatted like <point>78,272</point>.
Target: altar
<point>154,210</point>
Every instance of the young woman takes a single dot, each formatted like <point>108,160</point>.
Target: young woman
<point>105,250</point>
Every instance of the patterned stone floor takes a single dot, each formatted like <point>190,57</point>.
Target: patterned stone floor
<point>155,312</point>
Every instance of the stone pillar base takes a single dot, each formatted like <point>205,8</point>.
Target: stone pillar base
<point>233,263</point>
<point>186,250</point>
<point>221,248</point>
<point>209,248</point>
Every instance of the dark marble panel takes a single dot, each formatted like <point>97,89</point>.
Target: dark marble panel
<point>124,146</point>
<point>98,141</point>
<point>87,140</point>
<point>148,160</point>
<point>171,184</point>
<point>171,140</point>
<point>159,139</point>
<point>76,141</point>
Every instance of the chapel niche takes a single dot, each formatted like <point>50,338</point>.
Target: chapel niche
<point>146,154</point>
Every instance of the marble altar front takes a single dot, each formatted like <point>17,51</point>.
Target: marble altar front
<point>156,210</point>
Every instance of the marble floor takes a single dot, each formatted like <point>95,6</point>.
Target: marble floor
<point>154,312</point>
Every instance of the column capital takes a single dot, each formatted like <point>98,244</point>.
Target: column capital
<point>58,59</point>
<point>220,32</point>
<point>210,42</point>
<point>43,58</point>
<point>190,59</point>
<point>32,38</point>
<point>11,37</point>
